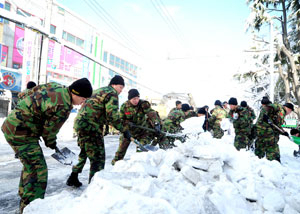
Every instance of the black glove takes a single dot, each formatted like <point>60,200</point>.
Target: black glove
<point>285,134</point>
<point>157,127</point>
<point>52,145</point>
<point>127,135</point>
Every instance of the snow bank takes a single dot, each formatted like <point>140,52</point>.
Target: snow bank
<point>203,175</point>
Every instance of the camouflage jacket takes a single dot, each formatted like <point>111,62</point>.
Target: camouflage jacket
<point>173,109</point>
<point>243,122</point>
<point>172,122</point>
<point>190,114</point>
<point>251,113</point>
<point>142,114</point>
<point>98,110</point>
<point>217,115</point>
<point>25,93</point>
<point>275,112</point>
<point>40,114</point>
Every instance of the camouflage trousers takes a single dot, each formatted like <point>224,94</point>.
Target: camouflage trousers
<point>241,141</point>
<point>266,145</point>
<point>34,175</point>
<point>91,147</point>
<point>217,132</point>
<point>143,137</point>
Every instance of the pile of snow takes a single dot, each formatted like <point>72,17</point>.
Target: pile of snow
<point>202,175</point>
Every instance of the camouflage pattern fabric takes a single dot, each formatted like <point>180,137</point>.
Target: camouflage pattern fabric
<point>242,126</point>
<point>40,114</point>
<point>266,143</point>
<point>217,115</point>
<point>97,111</point>
<point>143,115</point>
<point>190,114</point>
<point>91,147</point>
<point>171,111</point>
<point>25,93</point>
<point>171,125</point>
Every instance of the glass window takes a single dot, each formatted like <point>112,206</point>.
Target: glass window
<point>70,38</point>
<point>105,56</point>
<point>112,59</point>
<point>126,66</point>
<point>122,65</point>
<point>79,42</point>
<point>64,36</point>
<point>118,61</point>
<point>52,29</point>
<point>6,7</point>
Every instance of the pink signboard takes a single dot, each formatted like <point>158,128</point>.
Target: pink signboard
<point>50,54</point>
<point>18,46</point>
<point>70,58</point>
<point>4,55</point>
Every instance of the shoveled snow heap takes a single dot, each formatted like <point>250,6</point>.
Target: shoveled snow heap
<point>202,175</point>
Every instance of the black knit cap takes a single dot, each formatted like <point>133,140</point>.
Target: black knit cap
<point>265,101</point>
<point>218,103</point>
<point>232,101</point>
<point>177,102</point>
<point>185,107</point>
<point>133,93</point>
<point>294,131</point>
<point>289,105</point>
<point>81,88</point>
<point>244,103</point>
<point>30,85</point>
<point>201,111</point>
<point>117,80</point>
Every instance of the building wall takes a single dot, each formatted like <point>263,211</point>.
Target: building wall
<point>63,64</point>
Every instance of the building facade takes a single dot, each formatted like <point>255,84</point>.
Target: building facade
<point>73,49</point>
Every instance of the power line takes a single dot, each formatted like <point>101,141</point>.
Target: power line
<point>165,17</point>
<point>112,24</point>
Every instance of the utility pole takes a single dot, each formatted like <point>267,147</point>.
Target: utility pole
<point>272,88</point>
<point>42,73</point>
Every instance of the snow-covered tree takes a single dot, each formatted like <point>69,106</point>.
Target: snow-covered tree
<point>285,17</point>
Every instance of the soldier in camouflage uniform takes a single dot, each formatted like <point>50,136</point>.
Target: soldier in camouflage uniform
<point>242,124</point>
<point>26,92</point>
<point>217,114</point>
<point>191,113</point>
<point>267,135</point>
<point>41,114</point>
<point>137,112</point>
<point>172,125</point>
<point>252,117</point>
<point>100,109</point>
<point>178,107</point>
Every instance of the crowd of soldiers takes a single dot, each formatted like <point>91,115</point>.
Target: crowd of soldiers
<point>43,109</point>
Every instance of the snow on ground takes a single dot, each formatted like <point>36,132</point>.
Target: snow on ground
<point>203,175</point>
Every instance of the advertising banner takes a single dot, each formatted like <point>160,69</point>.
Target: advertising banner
<point>4,54</point>
<point>11,80</point>
<point>29,62</point>
<point>18,46</point>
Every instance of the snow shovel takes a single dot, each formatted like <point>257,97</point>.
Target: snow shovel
<point>144,148</point>
<point>153,130</point>
<point>292,138</point>
<point>64,156</point>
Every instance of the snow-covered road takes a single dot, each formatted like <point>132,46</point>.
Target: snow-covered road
<point>10,168</point>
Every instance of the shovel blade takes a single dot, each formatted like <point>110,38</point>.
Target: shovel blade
<point>150,148</point>
<point>65,156</point>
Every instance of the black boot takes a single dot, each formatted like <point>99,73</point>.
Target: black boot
<point>73,180</point>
